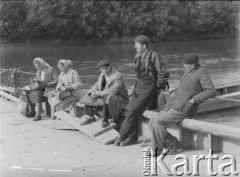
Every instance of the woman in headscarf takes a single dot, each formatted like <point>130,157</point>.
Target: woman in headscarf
<point>46,76</point>
<point>69,80</point>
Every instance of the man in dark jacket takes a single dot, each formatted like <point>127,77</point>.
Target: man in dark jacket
<point>152,77</point>
<point>195,87</point>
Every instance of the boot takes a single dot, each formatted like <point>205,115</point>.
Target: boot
<point>118,140</point>
<point>32,111</point>
<point>175,148</point>
<point>37,118</point>
<point>105,116</point>
<point>129,141</point>
<point>38,112</point>
<point>105,124</point>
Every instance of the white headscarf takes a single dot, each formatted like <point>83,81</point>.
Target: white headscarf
<point>42,63</point>
<point>66,63</point>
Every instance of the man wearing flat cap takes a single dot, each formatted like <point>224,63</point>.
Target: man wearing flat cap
<point>111,89</point>
<point>151,79</point>
<point>195,87</point>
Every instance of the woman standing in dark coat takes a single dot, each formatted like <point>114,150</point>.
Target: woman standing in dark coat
<point>46,76</point>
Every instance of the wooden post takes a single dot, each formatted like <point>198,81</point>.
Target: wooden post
<point>186,138</point>
<point>215,143</point>
<point>79,108</point>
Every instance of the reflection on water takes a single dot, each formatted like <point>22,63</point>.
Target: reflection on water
<point>220,57</point>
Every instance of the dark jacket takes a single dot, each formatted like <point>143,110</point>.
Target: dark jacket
<point>151,74</point>
<point>196,85</point>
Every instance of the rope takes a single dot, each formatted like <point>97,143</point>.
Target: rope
<point>24,72</point>
<point>4,70</point>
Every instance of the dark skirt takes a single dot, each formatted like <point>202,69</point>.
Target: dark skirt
<point>35,97</point>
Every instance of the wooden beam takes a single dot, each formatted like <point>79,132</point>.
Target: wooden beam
<point>8,89</point>
<point>227,85</point>
<point>212,128</point>
<point>206,127</point>
<point>105,135</point>
<point>8,96</point>
<point>218,103</point>
<point>231,95</point>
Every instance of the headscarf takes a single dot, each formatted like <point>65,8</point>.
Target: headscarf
<point>66,63</point>
<point>42,63</point>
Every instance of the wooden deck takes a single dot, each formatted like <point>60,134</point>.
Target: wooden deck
<point>33,149</point>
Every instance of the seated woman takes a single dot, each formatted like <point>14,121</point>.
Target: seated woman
<point>46,76</point>
<point>69,80</point>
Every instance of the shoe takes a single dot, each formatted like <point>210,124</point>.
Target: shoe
<point>37,118</point>
<point>146,143</point>
<point>30,115</point>
<point>128,141</point>
<point>118,141</point>
<point>105,124</point>
<point>86,119</point>
<point>175,148</point>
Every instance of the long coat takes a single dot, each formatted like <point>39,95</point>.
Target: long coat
<point>69,78</point>
<point>115,90</point>
<point>197,85</point>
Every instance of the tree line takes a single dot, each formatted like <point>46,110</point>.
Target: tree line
<point>116,21</point>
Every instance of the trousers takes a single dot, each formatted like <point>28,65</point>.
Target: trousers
<point>160,137</point>
<point>137,105</point>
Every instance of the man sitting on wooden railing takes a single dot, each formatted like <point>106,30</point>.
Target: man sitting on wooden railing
<point>195,87</point>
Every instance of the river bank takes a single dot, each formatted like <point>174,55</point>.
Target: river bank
<point>124,40</point>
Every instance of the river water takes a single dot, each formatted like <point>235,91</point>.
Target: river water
<point>220,57</point>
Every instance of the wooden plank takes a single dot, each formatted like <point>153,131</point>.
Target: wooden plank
<point>75,122</point>
<point>228,99</point>
<point>8,96</point>
<point>206,127</point>
<point>105,135</point>
<point>8,89</point>
<point>231,95</point>
<point>217,104</point>
<point>212,128</point>
<point>108,137</point>
<point>101,130</point>
<point>57,124</point>
<point>227,85</point>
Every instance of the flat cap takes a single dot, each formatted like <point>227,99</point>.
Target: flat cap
<point>190,58</point>
<point>104,62</point>
<point>142,39</point>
